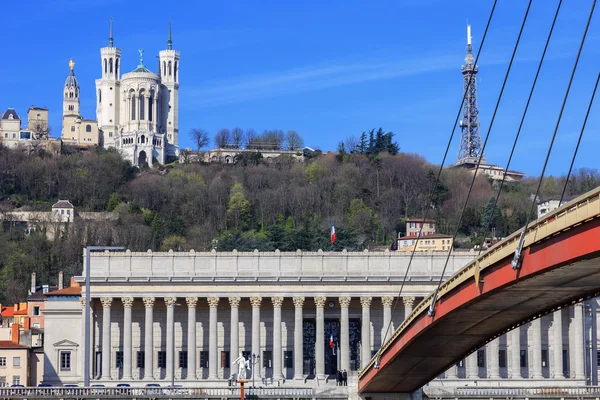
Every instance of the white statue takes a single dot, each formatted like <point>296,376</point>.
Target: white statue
<point>243,366</point>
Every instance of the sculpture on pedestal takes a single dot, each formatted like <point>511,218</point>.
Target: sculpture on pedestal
<point>243,367</point>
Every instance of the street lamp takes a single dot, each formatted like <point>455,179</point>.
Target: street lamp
<point>255,360</point>
<point>86,355</point>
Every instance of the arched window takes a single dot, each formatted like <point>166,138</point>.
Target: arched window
<point>169,68</point>
<point>164,69</point>
<point>143,139</point>
<point>150,104</point>
<point>105,66</point>
<point>88,128</point>
<point>133,108</point>
<point>142,106</point>
<point>117,66</point>
<point>99,96</point>
<point>110,64</point>
<point>175,72</point>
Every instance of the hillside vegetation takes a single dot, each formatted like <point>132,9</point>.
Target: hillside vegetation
<point>284,205</point>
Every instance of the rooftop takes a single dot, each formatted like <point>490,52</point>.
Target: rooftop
<point>9,112</point>
<point>63,204</point>
<point>420,220</point>
<point>432,236</point>
<point>70,291</point>
<point>9,344</point>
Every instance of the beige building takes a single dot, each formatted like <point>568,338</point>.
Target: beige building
<point>12,134</point>
<point>76,130</point>
<point>14,363</point>
<point>414,226</point>
<point>431,242</point>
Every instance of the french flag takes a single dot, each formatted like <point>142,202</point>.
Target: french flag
<point>332,233</point>
<point>331,340</point>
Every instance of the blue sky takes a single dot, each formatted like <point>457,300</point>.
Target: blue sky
<point>328,69</point>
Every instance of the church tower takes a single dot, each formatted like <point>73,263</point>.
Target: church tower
<point>107,92</point>
<point>71,93</point>
<point>169,78</point>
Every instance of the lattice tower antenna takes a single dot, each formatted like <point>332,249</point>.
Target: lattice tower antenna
<point>470,141</point>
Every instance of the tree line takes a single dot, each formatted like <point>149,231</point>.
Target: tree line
<point>237,138</point>
<point>282,204</point>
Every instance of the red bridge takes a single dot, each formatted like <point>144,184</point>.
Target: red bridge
<point>560,265</point>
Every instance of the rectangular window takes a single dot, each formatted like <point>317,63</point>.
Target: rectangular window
<point>141,359</point>
<point>65,360</point>
<point>36,311</point>
<point>16,361</point>
<point>2,361</point>
<point>72,129</point>
<point>502,358</point>
<point>16,379</point>
<point>36,325</point>
<point>544,358</point>
<point>183,359</point>
<point>288,359</point>
<point>598,358</point>
<point>523,358</point>
<point>224,359</point>
<point>119,359</point>
<point>2,381</point>
<point>204,359</point>
<point>162,359</point>
<point>267,358</point>
<point>565,362</point>
<point>481,358</point>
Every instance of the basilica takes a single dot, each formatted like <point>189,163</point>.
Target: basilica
<point>135,112</point>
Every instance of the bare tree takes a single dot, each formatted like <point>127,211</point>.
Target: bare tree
<point>223,138</point>
<point>293,140</point>
<point>200,137</point>
<point>250,138</point>
<point>351,144</point>
<point>237,137</point>
<point>40,130</point>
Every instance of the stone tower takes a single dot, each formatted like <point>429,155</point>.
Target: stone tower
<point>169,94</point>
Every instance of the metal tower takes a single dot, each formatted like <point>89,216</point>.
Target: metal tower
<point>470,141</point>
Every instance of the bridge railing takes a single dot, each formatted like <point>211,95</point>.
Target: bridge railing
<point>575,212</point>
<point>163,392</point>
<point>531,391</point>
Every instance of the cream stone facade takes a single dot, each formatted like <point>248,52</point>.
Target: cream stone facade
<point>13,136</point>
<point>187,316</point>
<point>76,130</point>
<point>138,112</point>
<point>14,364</point>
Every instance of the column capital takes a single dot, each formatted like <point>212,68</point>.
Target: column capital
<point>170,301</point>
<point>82,301</point>
<point>234,301</point>
<point>277,301</point>
<point>213,302</point>
<point>387,301</point>
<point>320,301</point>
<point>127,302</point>
<point>191,301</point>
<point>408,301</point>
<point>106,301</point>
<point>365,301</point>
<point>255,301</point>
<point>345,301</point>
<point>148,302</point>
<point>299,301</point>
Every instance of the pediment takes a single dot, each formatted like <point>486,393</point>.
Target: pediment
<point>65,343</point>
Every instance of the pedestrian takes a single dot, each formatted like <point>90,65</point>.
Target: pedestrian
<point>339,378</point>
<point>345,378</point>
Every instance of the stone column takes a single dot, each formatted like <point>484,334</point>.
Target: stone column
<point>345,333</point>
<point>191,337</point>
<point>536,333</point>
<point>320,339</point>
<point>493,366</point>
<point>255,301</point>
<point>472,368</point>
<point>579,342</point>
<point>213,358</point>
<point>234,344</point>
<point>170,302</point>
<point>514,371</point>
<point>409,302</point>
<point>106,347</point>
<point>298,339</point>
<point>557,350</point>
<point>149,339</point>
<point>388,329</point>
<point>452,372</point>
<point>277,368</point>
<point>365,331</point>
<point>127,347</point>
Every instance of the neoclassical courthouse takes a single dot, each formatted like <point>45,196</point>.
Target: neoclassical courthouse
<point>187,317</point>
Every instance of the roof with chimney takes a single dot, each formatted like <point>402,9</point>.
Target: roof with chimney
<point>70,291</point>
<point>10,112</point>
